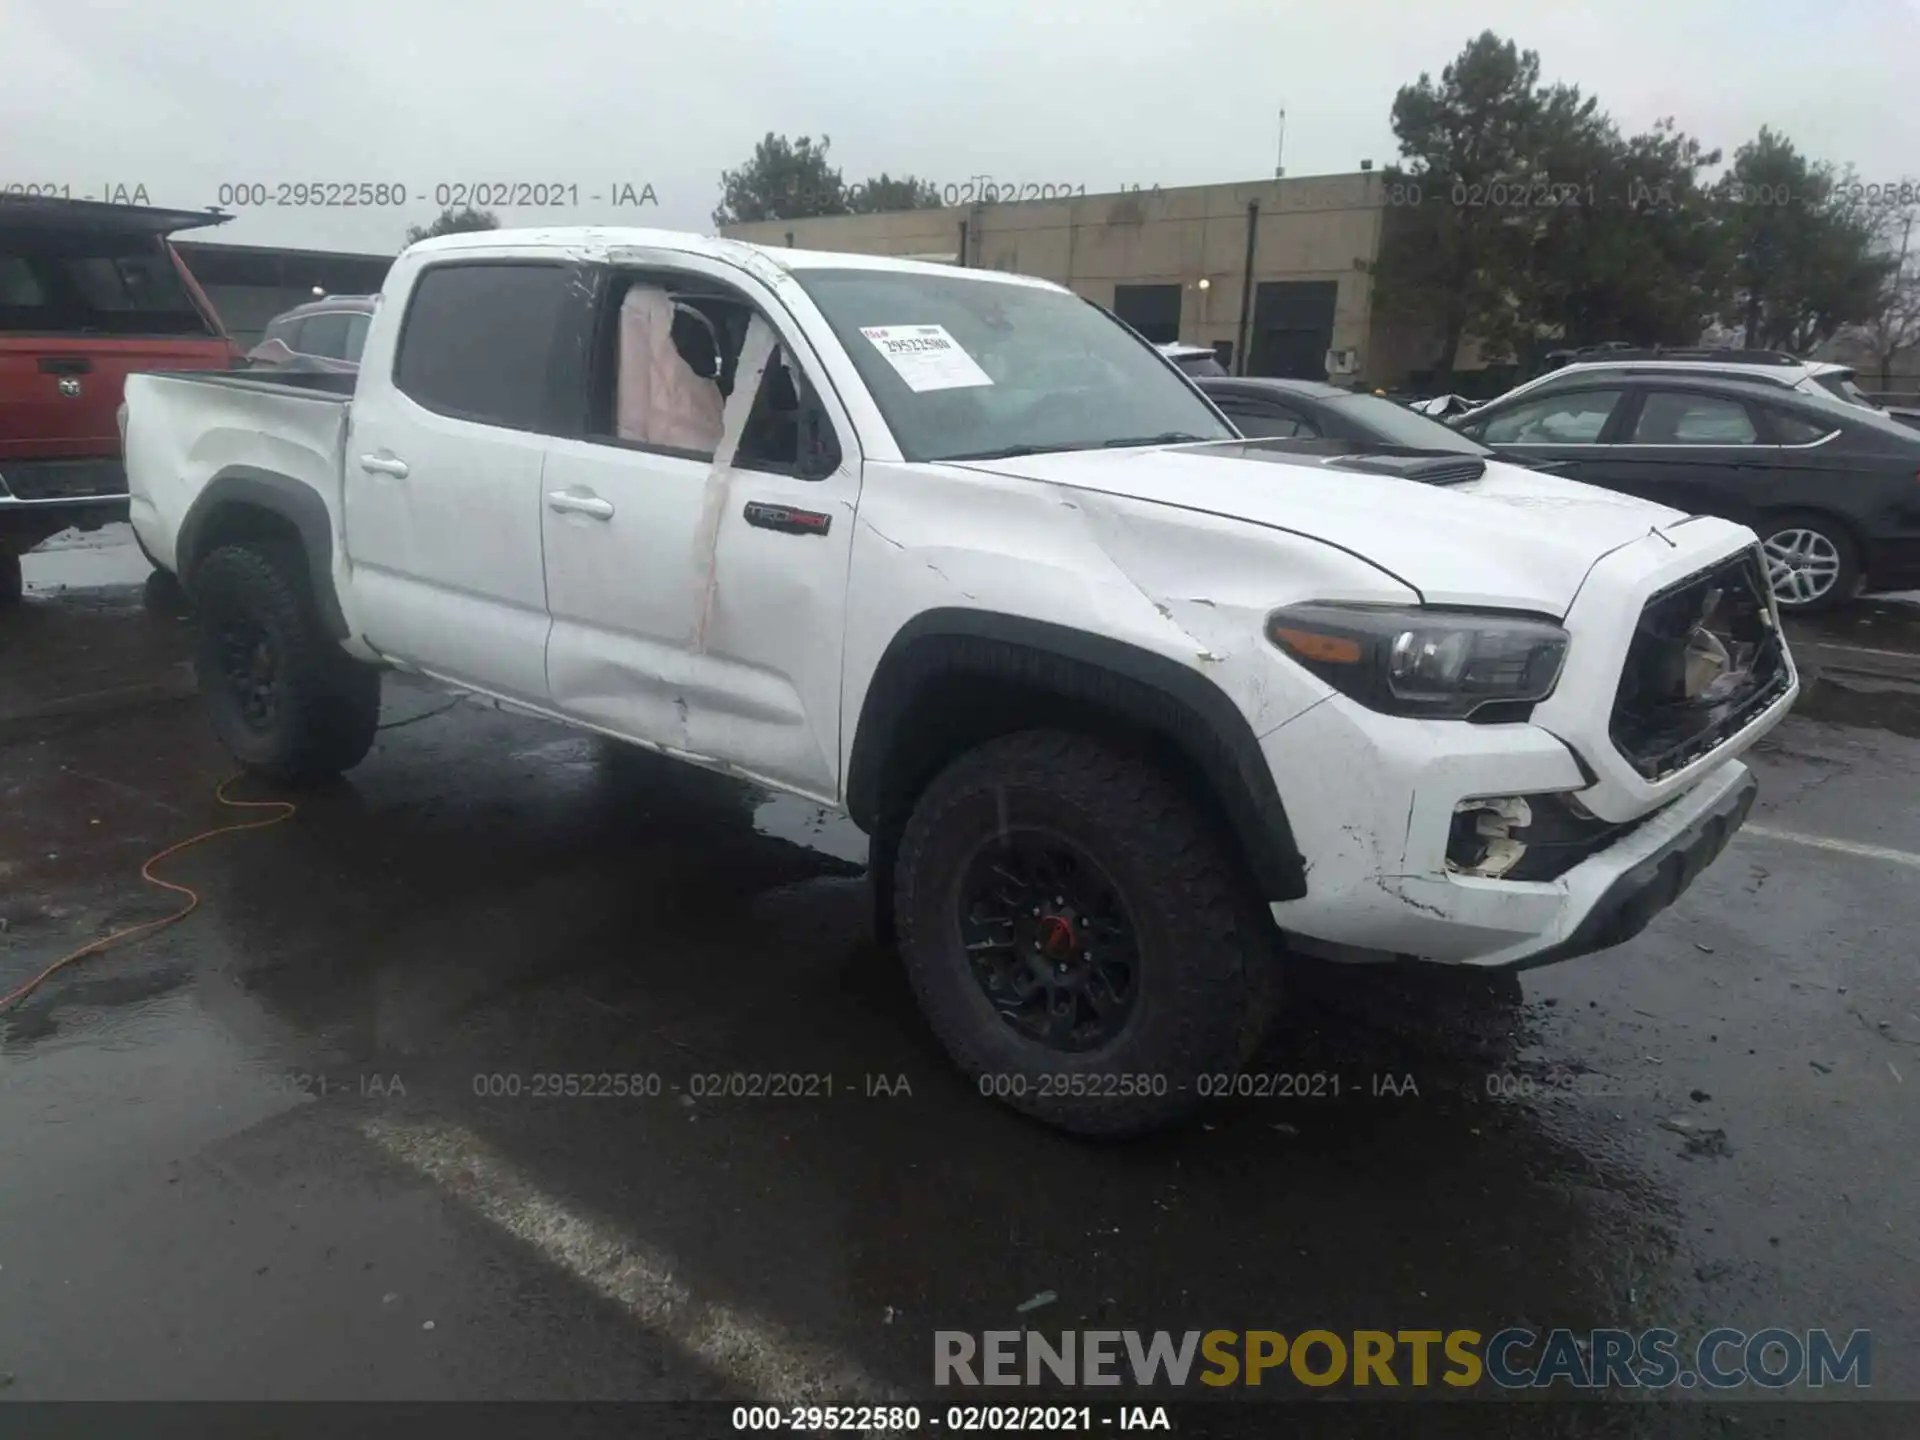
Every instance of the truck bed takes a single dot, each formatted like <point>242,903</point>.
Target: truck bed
<point>183,431</point>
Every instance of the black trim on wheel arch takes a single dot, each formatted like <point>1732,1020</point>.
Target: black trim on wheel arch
<point>1150,690</point>
<point>299,504</point>
<point>1642,892</point>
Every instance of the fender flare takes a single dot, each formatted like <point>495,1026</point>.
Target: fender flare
<point>299,504</point>
<point>1148,690</point>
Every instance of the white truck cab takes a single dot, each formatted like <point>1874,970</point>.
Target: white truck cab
<point>1128,704</point>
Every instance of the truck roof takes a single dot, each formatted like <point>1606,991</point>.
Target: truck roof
<point>602,241</point>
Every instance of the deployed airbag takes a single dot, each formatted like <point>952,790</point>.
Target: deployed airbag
<point>659,399</point>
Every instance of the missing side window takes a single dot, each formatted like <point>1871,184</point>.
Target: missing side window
<point>665,353</point>
<point>788,431</point>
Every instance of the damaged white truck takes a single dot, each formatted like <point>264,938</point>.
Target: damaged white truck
<point>1128,706</point>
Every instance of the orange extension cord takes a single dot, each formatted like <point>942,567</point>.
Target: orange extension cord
<point>287,811</point>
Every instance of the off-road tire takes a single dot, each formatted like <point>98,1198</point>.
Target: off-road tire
<point>1203,989</point>
<point>329,704</point>
<point>12,584</point>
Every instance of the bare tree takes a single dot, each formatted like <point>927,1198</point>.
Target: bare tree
<point>1894,328</point>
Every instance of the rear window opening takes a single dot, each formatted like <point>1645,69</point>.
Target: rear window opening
<point>56,282</point>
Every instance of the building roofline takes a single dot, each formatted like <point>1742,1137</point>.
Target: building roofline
<point>270,252</point>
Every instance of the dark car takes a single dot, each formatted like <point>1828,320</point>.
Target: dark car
<point>1315,410</point>
<point>1833,489</point>
<point>324,335</point>
<point>89,294</point>
<point>1194,359</point>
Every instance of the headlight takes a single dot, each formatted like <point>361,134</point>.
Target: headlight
<point>1432,663</point>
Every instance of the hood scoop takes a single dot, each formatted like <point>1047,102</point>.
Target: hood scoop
<point>1428,468</point>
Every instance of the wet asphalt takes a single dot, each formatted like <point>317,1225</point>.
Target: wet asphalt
<point>300,1146</point>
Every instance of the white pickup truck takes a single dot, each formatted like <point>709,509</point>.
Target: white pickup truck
<point>1129,706</point>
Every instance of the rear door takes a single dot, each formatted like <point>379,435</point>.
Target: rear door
<point>1702,453</point>
<point>447,438</point>
<point>81,307</point>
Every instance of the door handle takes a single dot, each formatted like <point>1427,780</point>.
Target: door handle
<point>568,503</point>
<point>384,465</point>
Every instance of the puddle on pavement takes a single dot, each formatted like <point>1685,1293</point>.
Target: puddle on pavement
<point>93,1071</point>
<point>801,822</point>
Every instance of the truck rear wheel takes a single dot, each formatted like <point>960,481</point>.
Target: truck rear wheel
<point>1080,941</point>
<point>12,584</point>
<point>285,699</point>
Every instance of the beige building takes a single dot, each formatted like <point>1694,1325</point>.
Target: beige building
<point>1273,274</point>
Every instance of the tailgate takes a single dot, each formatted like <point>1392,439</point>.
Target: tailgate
<point>60,395</point>
<point>85,300</point>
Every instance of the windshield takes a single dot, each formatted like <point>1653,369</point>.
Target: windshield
<point>1382,419</point>
<point>966,368</point>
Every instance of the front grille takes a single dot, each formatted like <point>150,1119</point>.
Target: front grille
<point>1706,657</point>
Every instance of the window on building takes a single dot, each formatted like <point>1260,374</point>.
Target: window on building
<point>1153,310</point>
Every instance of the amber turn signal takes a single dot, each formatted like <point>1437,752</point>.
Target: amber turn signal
<point>1309,645</point>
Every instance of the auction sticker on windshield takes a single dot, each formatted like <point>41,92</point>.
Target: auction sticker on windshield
<point>926,356</point>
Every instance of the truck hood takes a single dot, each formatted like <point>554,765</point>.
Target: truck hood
<point>1512,539</point>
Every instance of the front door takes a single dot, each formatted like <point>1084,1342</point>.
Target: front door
<point>1561,433</point>
<point>1690,450</point>
<point>697,532</point>
<point>443,467</point>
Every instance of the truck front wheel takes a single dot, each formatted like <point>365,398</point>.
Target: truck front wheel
<point>12,584</point>
<point>289,704</point>
<point>1080,941</point>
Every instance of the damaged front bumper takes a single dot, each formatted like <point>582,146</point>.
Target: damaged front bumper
<point>1676,853</point>
<point>1516,844</point>
<point>1601,901</point>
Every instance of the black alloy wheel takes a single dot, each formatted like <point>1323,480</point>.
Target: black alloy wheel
<point>252,666</point>
<point>1049,940</point>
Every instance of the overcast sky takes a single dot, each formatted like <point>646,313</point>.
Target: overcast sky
<point>185,96</point>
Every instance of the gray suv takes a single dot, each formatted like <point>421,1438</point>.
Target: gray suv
<point>325,335</point>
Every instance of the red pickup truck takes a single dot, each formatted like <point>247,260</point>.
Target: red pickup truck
<point>89,293</point>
